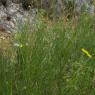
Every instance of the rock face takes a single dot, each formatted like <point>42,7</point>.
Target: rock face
<point>58,6</point>
<point>12,14</point>
<point>88,4</point>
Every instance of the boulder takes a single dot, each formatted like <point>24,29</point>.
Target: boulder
<point>88,4</point>
<point>13,15</point>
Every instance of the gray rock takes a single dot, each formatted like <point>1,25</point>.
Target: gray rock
<point>58,8</point>
<point>88,4</point>
<point>13,16</point>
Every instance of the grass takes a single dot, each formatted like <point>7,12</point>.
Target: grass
<point>49,61</point>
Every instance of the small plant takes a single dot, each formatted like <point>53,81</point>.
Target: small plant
<point>69,8</point>
<point>26,4</point>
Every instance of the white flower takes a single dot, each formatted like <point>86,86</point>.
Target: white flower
<point>16,44</point>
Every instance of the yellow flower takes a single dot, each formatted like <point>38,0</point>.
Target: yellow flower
<point>86,52</point>
<point>21,46</point>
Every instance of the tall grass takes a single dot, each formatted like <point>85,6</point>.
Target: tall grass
<point>49,60</point>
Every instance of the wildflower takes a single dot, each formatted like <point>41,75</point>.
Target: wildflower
<point>86,52</point>
<point>18,45</point>
<point>29,7</point>
<point>26,44</point>
<point>21,46</point>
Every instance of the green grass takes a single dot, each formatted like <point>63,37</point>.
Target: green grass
<point>49,60</point>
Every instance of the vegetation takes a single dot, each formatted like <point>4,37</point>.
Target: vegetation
<point>52,8</point>
<point>56,58</point>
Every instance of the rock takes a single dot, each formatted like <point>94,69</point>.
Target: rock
<point>13,15</point>
<point>13,8</point>
<point>88,4</point>
<point>16,1</point>
<point>58,8</point>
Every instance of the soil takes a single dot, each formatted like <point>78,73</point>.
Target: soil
<point>4,39</point>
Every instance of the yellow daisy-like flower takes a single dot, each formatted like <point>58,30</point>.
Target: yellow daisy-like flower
<point>86,52</point>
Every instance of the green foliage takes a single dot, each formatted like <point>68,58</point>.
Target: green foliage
<point>49,60</point>
<point>25,4</point>
<point>69,8</point>
<point>53,8</point>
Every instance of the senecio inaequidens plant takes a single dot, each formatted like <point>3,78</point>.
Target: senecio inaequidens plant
<point>86,52</point>
<point>50,59</point>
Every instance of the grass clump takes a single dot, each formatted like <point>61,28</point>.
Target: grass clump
<point>49,60</point>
